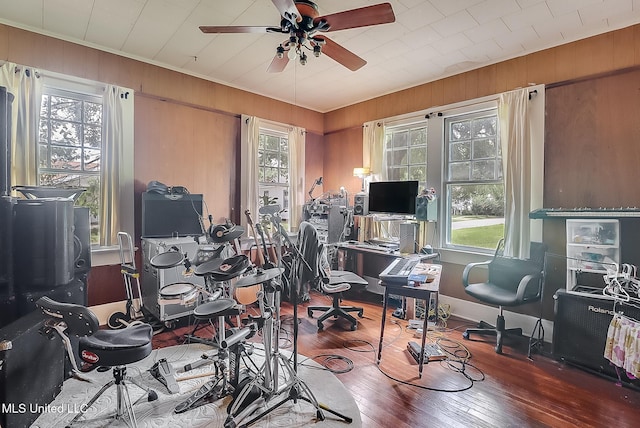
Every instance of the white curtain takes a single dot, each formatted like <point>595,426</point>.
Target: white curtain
<point>249,155</point>
<point>112,152</point>
<point>26,86</point>
<point>515,138</point>
<point>296,175</point>
<point>373,153</point>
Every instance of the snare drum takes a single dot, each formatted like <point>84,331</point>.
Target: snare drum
<point>180,293</point>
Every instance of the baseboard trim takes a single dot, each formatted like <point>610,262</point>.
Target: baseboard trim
<point>475,312</point>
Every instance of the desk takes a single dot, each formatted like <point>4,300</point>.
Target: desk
<point>366,261</point>
<point>422,292</point>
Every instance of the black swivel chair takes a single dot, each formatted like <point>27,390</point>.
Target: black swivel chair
<point>331,283</point>
<point>510,282</point>
<point>100,348</point>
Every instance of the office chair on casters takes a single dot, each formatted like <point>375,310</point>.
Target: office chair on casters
<point>100,348</point>
<point>510,282</point>
<point>334,283</point>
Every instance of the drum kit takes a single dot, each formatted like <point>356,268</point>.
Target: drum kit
<point>253,388</point>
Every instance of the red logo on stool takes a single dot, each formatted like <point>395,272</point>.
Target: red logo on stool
<point>89,357</point>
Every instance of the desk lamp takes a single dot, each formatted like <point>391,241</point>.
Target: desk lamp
<point>362,173</point>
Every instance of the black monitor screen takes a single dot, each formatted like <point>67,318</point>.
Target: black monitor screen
<point>171,215</point>
<point>393,197</point>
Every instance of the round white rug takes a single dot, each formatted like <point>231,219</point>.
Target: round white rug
<point>324,385</point>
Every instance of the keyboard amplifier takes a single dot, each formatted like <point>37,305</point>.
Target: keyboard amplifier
<point>580,329</point>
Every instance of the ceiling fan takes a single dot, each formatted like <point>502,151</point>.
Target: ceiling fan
<point>302,22</point>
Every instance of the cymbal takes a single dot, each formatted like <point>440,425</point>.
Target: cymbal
<point>167,260</point>
<point>208,267</point>
<point>259,277</point>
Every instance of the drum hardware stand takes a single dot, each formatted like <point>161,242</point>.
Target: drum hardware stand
<point>267,380</point>
<point>227,377</point>
<point>298,389</point>
<point>222,321</point>
<point>165,374</point>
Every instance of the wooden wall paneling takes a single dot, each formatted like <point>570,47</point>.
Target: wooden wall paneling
<point>454,89</point>
<point>57,61</point>
<point>623,49</point>
<point>185,146</point>
<point>4,42</point>
<point>618,132</point>
<point>565,62</point>
<point>636,44</point>
<point>594,55</point>
<point>569,130</point>
<point>541,66</point>
<point>487,80</point>
<point>105,285</point>
<point>313,151</point>
<point>471,87</point>
<point>342,153</point>
<point>591,142</point>
<point>26,48</point>
<point>512,74</point>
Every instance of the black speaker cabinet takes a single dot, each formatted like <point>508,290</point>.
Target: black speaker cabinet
<point>73,292</point>
<point>81,240</point>
<point>6,99</point>
<point>8,309</point>
<point>31,370</point>
<point>6,245</point>
<point>42,243</point>
<point>580,329</point>
<point>361,204</point>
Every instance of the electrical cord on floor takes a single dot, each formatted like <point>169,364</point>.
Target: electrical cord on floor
<point>326,362</point>
<point>457,360</point>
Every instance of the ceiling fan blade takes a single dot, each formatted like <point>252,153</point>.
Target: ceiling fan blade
<point>361,17</point>
<point>340,54</point>
<point>288,10</point>
<point>278,64</point>
<point>233,29</point>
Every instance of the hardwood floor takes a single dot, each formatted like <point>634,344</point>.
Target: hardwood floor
<point>485,390</point>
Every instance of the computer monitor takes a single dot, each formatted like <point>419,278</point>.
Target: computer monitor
<point>393,197</point>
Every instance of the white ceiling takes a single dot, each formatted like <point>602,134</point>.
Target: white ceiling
<point>430,39</point>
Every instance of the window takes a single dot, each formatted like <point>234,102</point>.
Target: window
<point>273,169</point>
<point>70,146</point>
<point>406,153</point>
<point>473,183</point>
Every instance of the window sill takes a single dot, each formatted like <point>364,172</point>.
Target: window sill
<point>105,256</point>
<point>463,258</point>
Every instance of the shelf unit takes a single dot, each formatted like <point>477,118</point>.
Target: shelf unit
<point>593,245</point>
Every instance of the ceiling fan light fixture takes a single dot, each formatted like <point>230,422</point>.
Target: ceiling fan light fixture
<point>292,54</point>
<point>280,52</point>
<point>317,49</point>
<point>303,58</point>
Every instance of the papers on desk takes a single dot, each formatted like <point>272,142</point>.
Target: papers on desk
<point>423,274</point>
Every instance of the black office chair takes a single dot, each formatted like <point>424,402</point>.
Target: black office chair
<point>334,283</point>
<point>510,282</point>
<point>100,348</point>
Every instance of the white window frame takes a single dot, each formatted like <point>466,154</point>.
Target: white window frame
<point>275,131</point>
<point>400,127</point>
<point>55,82</point>
<point>446,227</point>
<point>435,117</point>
